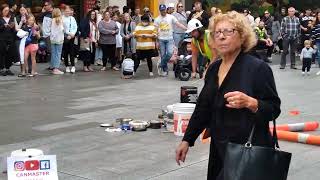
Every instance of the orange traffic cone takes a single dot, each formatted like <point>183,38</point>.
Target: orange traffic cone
<point>307,126</point>
<point>298,137</point>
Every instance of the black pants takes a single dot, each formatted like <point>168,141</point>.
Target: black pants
<point>306,64</point>
<point>68,49</point>
<point>144,54</point>
<point>293,43</point>
<point>85,56</point>
<point>93,53</point>
<point>8,51</point>
<point>108,51</point>
<point>280,45</point>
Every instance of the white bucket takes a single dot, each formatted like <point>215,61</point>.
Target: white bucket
<point>181,116</point>
<point>27,153</point>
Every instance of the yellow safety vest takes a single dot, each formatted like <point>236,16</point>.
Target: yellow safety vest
<point>207,50</point>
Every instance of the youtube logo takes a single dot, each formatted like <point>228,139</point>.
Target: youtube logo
<point>32,165</point>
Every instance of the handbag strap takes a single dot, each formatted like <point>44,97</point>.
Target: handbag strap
<point>275,142</point>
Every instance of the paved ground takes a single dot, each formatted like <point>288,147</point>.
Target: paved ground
<point>61,115</point>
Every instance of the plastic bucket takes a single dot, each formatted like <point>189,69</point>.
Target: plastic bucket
<point>181,116</point>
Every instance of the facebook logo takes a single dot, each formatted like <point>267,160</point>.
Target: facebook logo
<point>44,164</point>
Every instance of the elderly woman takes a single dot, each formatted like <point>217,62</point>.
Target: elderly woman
<point>126,31</point>
<point>239,92</point>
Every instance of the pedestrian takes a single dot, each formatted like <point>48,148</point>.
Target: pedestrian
<point>276,33</point>
<point>108,30</point>
<point>31,46</point>
<point>165,23</point>
<point>46,15</point>
<point>179,33</point>
<point>88,40</point>
<point>170,8</point>
<point>264,41</point>
<point>56,38</point>
<point>147,11</point>
<point>145,34</point>
<point>137,16</point>
<point>268,21</point>
<point>8,49</point>
<point>20,20</point>
<point>200,14</point>
<point>315,35</point>
<point>305,27</point>
<point>126,30</point>
<point>239,92</point>
<point>119,40</point>
<point>306,57</point>
<point>290,32</point>
<point>70,30</point>
<point>98,55</point>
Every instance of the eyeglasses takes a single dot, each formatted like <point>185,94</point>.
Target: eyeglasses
<point>225,32</point>
<point>180,6</point>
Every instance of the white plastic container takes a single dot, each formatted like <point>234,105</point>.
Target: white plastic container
<point>182,113</point>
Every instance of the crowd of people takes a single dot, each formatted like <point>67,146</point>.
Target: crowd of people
<point>104,35</point>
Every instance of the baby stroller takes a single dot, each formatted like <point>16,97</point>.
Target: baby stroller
<point>183,68</point>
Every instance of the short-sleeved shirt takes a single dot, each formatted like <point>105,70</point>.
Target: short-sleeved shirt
<point>165,26</point>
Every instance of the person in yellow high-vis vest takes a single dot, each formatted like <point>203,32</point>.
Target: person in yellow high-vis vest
<point>200,44</point>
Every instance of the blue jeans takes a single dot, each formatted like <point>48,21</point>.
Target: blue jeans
<point>166,52</point>
<point>178,37</point>
<point>56,50</point>
<point>98,54</point>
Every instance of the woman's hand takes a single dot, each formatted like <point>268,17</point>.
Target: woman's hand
<point>239,100</point>
<point>181,152</point>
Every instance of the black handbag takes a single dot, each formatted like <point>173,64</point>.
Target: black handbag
<point>249,162</point>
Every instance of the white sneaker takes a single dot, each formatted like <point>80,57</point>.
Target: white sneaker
<point>318,73</point>
<point>303,73</point>
<point>164,74</point>
<point>151,74</point>
<point>57,72</point>
<point>17,63</point>
<point>73,69</point>
<point>67,69</point>
<point>308,73</point>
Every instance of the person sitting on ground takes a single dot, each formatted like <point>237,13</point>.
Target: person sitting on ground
<point>127,67</point>
<point>264,42</point>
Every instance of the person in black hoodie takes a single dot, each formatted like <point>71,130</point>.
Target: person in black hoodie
<point>8,49</point>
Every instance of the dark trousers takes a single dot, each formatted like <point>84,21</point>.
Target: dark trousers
<point>292,43</point>
<point>144,54</point>
<point>85,56</point>
<point>306,64</point>
<point>93,53</point>
<point>261,45</point>
<point>280,44</point>
<point>8,51</point>
<point>108,51</point>
<point>68,50</point>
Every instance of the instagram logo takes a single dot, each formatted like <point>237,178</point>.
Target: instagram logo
<point>19,166</point>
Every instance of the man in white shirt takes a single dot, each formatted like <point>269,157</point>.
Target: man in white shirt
<point>164,23</point>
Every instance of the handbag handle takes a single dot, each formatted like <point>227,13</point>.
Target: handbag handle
<point>275,142</point>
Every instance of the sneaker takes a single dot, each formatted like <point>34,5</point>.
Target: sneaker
<point>318,73</point>
<point>151,74</point>
<point>90,69</point>
<point>9,72</point>
<point>270,58</point>
<point>103,69</point>
<point>164,74</point>
<point>73,69</point>
<point>282,67</point>
<point>57,72</point>
<point>68,69</point>
<point>17,63</point>
<point>303,73</point>
<point>308,73</point>
<point>115,69</point>
<point>50,68</point>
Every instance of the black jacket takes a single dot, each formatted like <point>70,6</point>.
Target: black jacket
<point>7,33</point>
<point>250,76</point>
<point>85,28</point>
